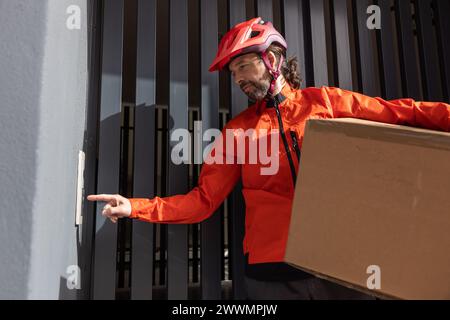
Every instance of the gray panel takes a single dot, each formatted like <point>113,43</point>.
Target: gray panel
<point>408,60</point>
<point>367,50</point>
<point>95,15</point>
<point>264,9</point>
<point>144,146</point>
<point>236,211</point>
<point>211,247</point>
<point>443,7</point>
<point>178,118</point>
<point>319,46</point>
<point>239,102</point>
<point>109,148</point>
<point>389,62</point>
<point>343,54</point>
<point>294,33</point>
<point>428,51</point>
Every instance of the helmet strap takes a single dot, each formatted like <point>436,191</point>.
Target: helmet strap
<point>275,73</point>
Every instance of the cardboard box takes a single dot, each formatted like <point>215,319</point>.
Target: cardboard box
<point>374,194</point>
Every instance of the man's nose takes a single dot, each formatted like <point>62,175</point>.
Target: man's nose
<point>238,80</point>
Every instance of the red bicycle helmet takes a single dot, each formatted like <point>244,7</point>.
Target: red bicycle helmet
<point>253,35</point>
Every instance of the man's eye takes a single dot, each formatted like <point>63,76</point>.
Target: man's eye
<point>242,66</point>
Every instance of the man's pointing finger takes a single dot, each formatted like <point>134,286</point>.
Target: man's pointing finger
<point>101,197</point>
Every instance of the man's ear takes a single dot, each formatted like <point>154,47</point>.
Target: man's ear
<point>272,59</point>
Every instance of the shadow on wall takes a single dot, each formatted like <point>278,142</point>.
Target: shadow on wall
<point>99,246</point>
<point>85,232</point>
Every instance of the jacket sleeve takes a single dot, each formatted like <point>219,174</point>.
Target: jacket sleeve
<point>215,182</point>
<point>429,115</point>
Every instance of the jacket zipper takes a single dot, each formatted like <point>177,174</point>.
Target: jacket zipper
<point>286,145</point>
<point>296,147</point>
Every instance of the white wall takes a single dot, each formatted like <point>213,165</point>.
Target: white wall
<point>43,91</point>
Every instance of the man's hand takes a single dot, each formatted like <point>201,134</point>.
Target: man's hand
<point>116,207</point>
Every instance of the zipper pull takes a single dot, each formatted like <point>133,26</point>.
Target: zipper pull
<point>294,138</point>
<point>295,143</point>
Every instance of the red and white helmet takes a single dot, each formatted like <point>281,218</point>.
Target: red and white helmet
<point>253,35</point>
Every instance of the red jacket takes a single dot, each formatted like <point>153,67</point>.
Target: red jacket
<point>268,198</point>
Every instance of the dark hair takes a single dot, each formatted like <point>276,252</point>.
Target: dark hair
<point>289,68</point>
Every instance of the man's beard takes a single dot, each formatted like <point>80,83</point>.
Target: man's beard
<point>259,89</point>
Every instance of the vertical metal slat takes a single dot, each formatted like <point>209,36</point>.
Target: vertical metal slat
<point>428,51</point>
<point>264,9</point>
<point>239,101</point>
<point>442,9</point>
<point>319,46</point>
<point>210,230</point>
<point>344,66</point>
<point>367,50</point>
<point>178,174</point>
<point>408,60</point>
<point>144,146</point>
<point>236,212</point>
<point>104,280</point>
<point>294,33</point>
<point>95,14</point>
<point>391,81</point>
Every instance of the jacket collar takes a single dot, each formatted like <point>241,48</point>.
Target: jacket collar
<point>286,93</point>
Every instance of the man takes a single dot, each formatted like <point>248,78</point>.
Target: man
<point>254,52</point>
